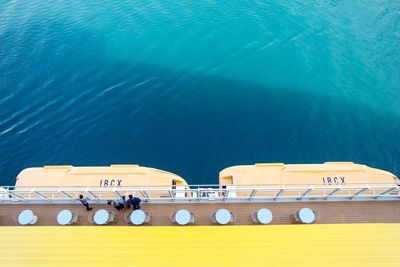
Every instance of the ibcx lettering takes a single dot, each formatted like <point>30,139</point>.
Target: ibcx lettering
<point>110,182</point>
<point>333,180</point>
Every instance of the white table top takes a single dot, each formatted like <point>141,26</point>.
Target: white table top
<point>223,216</point>
<point>182,217</point>
<point>64,217</point>
<point>25,217</point>
<point>101,216</point>
<point>138,217</point>
<point>264,216</point>
<point>306,215</point>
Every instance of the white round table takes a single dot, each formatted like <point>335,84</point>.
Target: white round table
<point>101,217</point>
<point>182,217</point>
<point>264,216</point>
<point>26,217</point>
<point>306,215</point>
<point>138,217</point>
<point>65,217</point>
<point>223,216</point>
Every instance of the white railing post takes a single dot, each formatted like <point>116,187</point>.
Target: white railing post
<point>305,193</point>
<point>333,192</point>
<point>359,192</point>
<point>91,194</point>
<point>198,194</point>
<point>117,194</point>
<point>144,194</point>
<point>279,193</point>
<point>253,194</point>
<point>39,194</point>
<point>15,194</point>
<point>65,193</point>
<point>386,192</point>
<point>171,195</point>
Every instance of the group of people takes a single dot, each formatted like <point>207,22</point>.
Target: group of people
<point>123,202</point>
<point>119,204</point>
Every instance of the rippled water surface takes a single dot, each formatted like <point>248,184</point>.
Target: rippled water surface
<point>195,86</point>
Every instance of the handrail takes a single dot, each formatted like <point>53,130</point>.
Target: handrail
<point>198,185</point>
<point>205,193</point>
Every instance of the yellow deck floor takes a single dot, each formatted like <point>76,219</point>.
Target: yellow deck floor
<point>272,245</point>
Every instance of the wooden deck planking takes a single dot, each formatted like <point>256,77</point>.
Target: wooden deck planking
<point>326,212</point>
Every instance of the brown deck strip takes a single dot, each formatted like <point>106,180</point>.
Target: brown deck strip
<point>326,212</point>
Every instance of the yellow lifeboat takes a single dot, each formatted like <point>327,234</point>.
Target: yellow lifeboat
<point>276,179</point>
<point>104,177</point>
<point>326,174</point>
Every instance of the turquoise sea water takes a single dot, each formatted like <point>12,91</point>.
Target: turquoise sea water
<point>195,86</point>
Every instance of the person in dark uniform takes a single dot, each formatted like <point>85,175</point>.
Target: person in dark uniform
<point>134,201</point>
<point>84,202</point>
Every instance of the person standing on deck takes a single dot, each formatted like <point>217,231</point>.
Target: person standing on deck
<point>84,202</point>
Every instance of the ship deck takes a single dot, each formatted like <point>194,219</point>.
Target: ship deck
<point>283,212</point>
<point>357,227</point>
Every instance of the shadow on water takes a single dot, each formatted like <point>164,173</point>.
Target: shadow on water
<point>188,123</point>
<point>63,101</point>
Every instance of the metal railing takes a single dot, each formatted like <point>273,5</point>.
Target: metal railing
<point>204,193</point>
